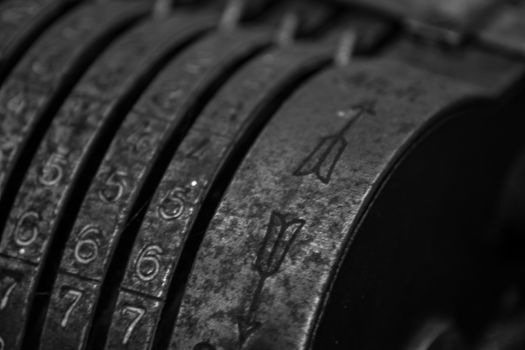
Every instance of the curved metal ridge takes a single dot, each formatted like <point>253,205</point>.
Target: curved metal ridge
<point>280,229</point>
<point>21,23</point>
<point>43,204</point>
<point>256,175</point>
<point>170,105</point>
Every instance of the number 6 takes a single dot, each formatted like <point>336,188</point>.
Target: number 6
<point>148,263</point>
<point>86,249</point>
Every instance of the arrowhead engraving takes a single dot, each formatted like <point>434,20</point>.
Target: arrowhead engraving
<point>322,160</point>
<point>280,235</point>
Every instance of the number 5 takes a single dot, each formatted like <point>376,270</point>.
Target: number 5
<point>114,187</point>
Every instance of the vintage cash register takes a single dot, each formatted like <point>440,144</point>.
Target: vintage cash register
<point>262,174</point>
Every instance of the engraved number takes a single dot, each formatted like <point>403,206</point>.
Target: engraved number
<point>197,152</point>
<point>25,236</point>
<point>8,283</point>
<point>2,344</point>
<point>172,205</point>
<point>148,263</point>
<point>86,249</point>
<point>7,294</point>
<point>75,296</point>
<point>135,312</point>
<point>53,171</point>
<point>115,186</point>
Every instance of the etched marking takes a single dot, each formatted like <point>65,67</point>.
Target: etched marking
<point>281,232</point>
<point>141,139</point>
<point>86,249</point>
<point>136,312</point>
<point>17,104</point>
<point>322,161</point>
<point>52,171</point>
<point>24,237</point>
<point>114,186</point>
<point>5,298</point>
<point>172,204</point>
<point>75,295</point>
<point>167,100</point>
<point>10,280</point>
<point>198,151</point>
<point>148,263</point>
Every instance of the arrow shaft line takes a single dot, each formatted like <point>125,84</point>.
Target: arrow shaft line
<point>350,123</point>
<point>269,263</point>
<point>255,299</point>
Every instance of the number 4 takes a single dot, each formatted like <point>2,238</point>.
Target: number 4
<point>135,312</point>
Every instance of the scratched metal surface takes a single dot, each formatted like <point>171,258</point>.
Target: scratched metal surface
<point>158,117</point>
<point>20,22</point>
<point>50,181</point>
<point>45,72</point>
<point>190,176</point>
<point>270,249</point>
<point>261,275</point>
<point>23,98</point>
<point>84,119</point>
<point>135,317</point>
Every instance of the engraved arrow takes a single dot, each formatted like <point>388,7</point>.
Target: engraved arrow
<point>281,233</point>
<point>322,160</point>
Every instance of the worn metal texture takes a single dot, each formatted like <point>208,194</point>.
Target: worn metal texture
<point>268,254</point>
<point>22,22</point>
<point>38,82</point>
<point>44,77</point>
<point>211,142</point>
<point>69,151</point>
<point>188,182</point>
<point>158,119</point>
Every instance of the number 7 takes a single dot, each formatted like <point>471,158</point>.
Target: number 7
<point>138,313</point>
<point>75,295</point>
<point>8,283</point>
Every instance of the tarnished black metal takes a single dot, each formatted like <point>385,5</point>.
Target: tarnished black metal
<point>22,22</point>
<point>169,220</point>
<point>262,271</point>
<point>158,119</point>
<point>76,137</point>
<point>348,222</point>
<point>42,80</point>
